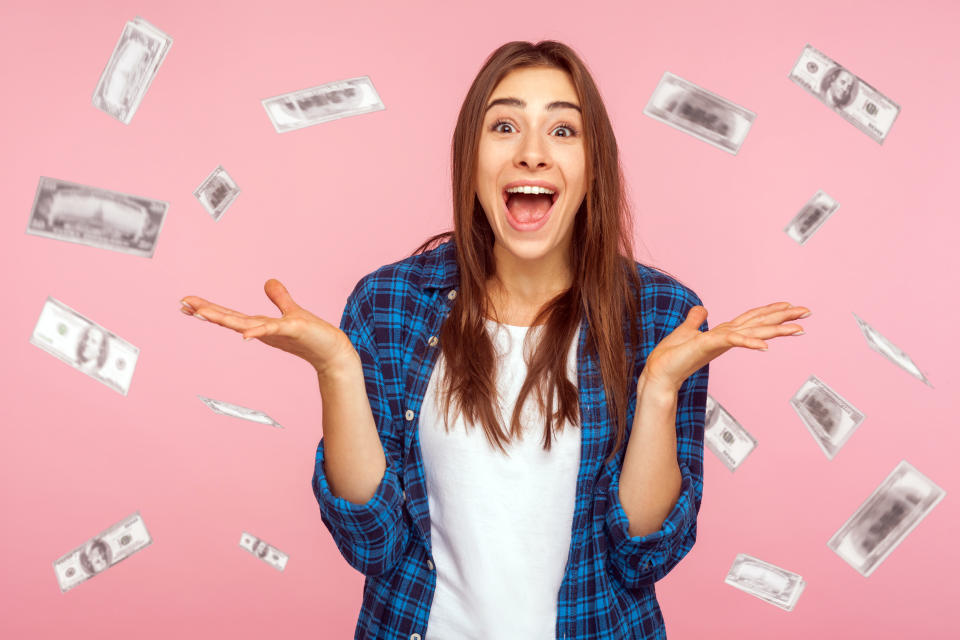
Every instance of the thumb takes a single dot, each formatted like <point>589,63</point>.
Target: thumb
<point>279,295</point>
<point>697,314</point>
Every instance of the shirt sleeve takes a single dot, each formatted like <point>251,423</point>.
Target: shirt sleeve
<point>372,536</point>
<point>642,560</point>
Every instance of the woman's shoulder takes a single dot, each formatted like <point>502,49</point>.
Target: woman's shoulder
<point>412,274</point>
<point>665,297</point>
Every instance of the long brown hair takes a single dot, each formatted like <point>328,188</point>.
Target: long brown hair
<point>601,259</point>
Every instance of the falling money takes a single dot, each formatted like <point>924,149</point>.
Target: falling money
<point>828,416</point>
<point>236,411</point>
<point>705,115</point>
<point>890,351</point>
<point>217,192</point>
<point>101,552</point>
<point>902,500</point>
<point>96,217</point>
<point>323,103</point>
<point>130,69</point>
<point>768,582</point>
<point>85,345</point>
<point>725,436</point>
<point>811,217</point>
<point>269,554</point>
<point>853,99</point>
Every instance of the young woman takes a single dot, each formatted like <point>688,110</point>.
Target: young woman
<point>553,523</point>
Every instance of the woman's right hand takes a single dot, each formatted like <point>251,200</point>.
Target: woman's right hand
<point>297,331</point>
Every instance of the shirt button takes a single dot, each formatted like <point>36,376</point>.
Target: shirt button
<point>432,341</point>
<point>409,414</point>
<point>430,565</point>
<point>415,636</point>
<point>404,494</point>
<point>452,294</point>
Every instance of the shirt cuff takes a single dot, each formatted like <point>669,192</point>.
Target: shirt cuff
<point>640,552</point>
<point>370,520</point>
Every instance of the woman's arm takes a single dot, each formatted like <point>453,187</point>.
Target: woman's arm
<point>650,479</point>
<point>354,462</point>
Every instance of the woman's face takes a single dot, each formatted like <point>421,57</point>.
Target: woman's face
<point>532,132</point>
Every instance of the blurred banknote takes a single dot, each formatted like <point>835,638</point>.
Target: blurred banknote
<point>902,500</point>
<point>828,416</point>
<point>856,101</point>
<point>323,103</point>
<point>96,217</point>
<point>268,553</point>
<point>236,411</point>
<point>890,351</point>
<point>701,113</point>
<point>725,436</point>
<point>768,582</point>
<point>217,192</point>
<point>810,218</point>
<point>85,345</point>
<point>130,69</point>
<point>101,552</point>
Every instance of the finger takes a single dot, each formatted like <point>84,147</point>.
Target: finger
<point>229,320</point>
<point>767,331</point>
<point>279,295</point>
<point>759,312</point>
<point>738,339</point>
<point>196,302</point>
<point>270,327</point>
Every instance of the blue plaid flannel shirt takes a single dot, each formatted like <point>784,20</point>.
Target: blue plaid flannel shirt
<point>392,318</point>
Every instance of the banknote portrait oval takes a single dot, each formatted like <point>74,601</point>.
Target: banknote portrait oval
<point>839,87</point>
<point>131,64</point>
<point>93,348</point>
<point>700,111</point>
<point>883,516</point>
<point>96,557</point>
<point>260,548</point>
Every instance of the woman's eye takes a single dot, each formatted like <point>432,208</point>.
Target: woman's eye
<point>498,124</point>
<point>570,131</point>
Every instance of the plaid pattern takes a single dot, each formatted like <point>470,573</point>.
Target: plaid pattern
<point>607,591</point>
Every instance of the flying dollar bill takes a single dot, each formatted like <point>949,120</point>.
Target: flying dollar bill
<point>130,69</point>
<point>322,103</point>
<point>269,554</point>
<point>902,500</point>
<point>766,581</point>
<point>725,436</point>
<point>236,411</point>
<point>85,345</point>
<point>890,351</point>
<point>853,99</point>
<point>701,113</point>
<point>811,217</point>
<point>96,217</point>
<point>101,552</point>
<point>828,416</point>
<point>217,192</point>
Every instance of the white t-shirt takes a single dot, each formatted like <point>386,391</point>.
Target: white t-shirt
<point>500,526</point>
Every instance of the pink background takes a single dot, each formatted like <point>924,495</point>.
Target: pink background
<point>322,206</point>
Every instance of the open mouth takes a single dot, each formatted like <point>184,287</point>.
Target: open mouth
<point>528,211</point>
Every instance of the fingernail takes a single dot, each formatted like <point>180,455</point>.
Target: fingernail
<point>187,305</point>
<point>197,315</point>
<point>247,338</point>
<point>805,315</point>
<point>187,311</point>
<point>799,333</point>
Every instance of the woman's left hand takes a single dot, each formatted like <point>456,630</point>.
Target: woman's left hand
<point>687,349</point>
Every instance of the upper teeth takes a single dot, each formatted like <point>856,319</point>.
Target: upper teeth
<point>529,189</point>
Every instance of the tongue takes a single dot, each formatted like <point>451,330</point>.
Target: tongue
<point>528,207</point>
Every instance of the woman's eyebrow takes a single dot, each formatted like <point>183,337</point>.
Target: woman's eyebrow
<point>517,102</point>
